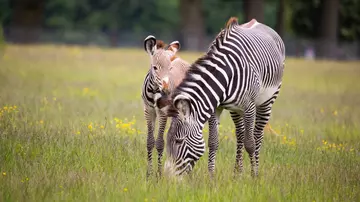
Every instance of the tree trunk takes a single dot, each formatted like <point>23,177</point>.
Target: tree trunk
<point>192,25</point>
<point>254,9</point>
<point>328,29</point>
<point>26,21</point>
<point>280,18</point>
<point>114,38</point>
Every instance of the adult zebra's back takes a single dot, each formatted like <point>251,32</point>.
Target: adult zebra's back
<point>241,72</point>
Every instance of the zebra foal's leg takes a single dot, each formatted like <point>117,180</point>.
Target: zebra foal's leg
<point>239,131</point>
<point>160,139</point>
<point>249,140</point>
<point>263,113</point>
<point>150,116</point>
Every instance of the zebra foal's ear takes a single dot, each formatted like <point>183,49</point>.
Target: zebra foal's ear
<point>150,44</point>
<point>174,46</point>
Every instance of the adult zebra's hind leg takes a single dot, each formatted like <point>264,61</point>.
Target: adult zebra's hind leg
<point>150,116</point>
<point>239,131</point>
<point>263,113</point>
<point>160,139</point>
<point>213,140</point>
<point>249,140</point>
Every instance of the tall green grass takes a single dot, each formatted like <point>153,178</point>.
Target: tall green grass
<point>72,128</point>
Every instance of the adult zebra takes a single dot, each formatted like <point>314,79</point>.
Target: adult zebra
<point>241,72</point>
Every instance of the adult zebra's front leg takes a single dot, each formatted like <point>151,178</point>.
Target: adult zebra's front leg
<point>160,139</point>
<point>239,130</point>
<point>150,116</point>
<point>213,139</point>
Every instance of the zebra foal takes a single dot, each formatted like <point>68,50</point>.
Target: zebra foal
<point>242,72</point>
<point>165,73</point>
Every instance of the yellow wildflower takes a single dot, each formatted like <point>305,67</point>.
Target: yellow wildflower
<point>351,150</point>
<point>41,121</point>
<point>322,110</point>
<point>54,98</point>
<point>4,173</point>
<point>146,200</point>
<point>78,133</point>
<point>85,90</point>
<point>302,131</point>
<point>102,127</point>
<point>335,113</point>
<point>5,108</point>
<point>226,137</point>
<point>125,126</point>
<point>125,189</point>
<point>90,127</point>
<point>15,106</point>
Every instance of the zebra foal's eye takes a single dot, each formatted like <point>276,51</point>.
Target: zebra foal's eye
<point>155,68</point>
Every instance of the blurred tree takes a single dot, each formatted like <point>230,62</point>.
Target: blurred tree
<point>5,12</point>
<point>254,9</point>
<point>26,20</point>
<point>349,20</point>
<point>280,17</point>
<point>215,19</point>
<point>2,41</point>
<point>328,29</point>
<point>305,17</point>
<point>192,24</point>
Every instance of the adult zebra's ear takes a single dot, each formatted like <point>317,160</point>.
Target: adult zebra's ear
<point>183,108</point>
<point>174,46</point>
<point>150,44</point>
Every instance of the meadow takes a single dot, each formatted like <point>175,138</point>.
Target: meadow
<point>72,129</point>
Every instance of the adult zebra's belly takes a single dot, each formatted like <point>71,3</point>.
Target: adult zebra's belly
<point>265,94</point>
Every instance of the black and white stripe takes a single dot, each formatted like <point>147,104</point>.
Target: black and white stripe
<point>241,72</point>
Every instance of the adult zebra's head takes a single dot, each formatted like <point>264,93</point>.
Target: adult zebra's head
<point>185,143</point>
<point>160,59</point>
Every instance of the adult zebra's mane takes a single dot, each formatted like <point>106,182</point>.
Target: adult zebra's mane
<point>202,61</point>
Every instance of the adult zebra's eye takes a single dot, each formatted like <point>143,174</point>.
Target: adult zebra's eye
<point>155,68</point>
<point>178,141</point>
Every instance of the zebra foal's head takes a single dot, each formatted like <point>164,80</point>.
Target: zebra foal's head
<point>185,143</point>
<point>161,56</point>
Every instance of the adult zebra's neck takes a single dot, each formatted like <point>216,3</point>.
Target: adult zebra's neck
<point>205,86</point>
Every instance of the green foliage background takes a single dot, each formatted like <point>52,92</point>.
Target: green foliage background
<point>162,16</point>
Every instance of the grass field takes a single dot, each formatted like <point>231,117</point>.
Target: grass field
<point>72,128</point>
